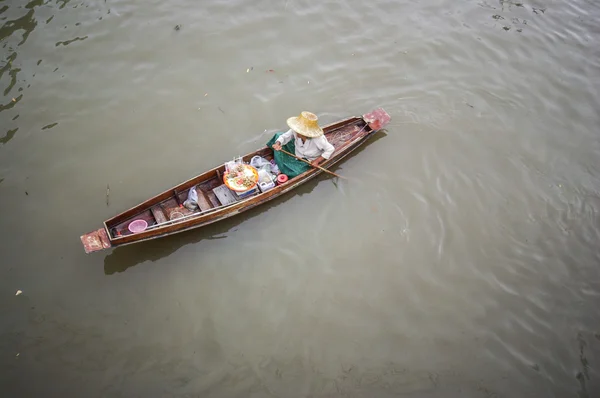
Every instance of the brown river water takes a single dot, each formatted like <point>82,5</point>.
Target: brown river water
<point>459,259</point>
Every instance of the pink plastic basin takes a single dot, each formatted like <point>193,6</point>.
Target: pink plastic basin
<point>137,226</point>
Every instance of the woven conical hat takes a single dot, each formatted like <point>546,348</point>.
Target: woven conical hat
<point>306,124</point>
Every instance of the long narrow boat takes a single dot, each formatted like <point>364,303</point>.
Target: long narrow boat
<point>159,211</point>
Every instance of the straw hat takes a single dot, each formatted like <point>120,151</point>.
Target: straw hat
<point>306,125</point>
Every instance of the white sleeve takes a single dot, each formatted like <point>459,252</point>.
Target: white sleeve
<point>285,137</point>
<point>325,146</point>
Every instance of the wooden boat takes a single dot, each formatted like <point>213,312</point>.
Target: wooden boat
<point>165,215</point>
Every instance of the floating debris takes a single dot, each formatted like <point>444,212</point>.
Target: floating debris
<point>177,27</point>
<point>49,126</point>
<point>9,135</point>
<point>67,42</point>
<point>18,292</point>
<point>206,95</point>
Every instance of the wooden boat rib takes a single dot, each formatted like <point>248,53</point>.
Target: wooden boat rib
<point>165,214</point>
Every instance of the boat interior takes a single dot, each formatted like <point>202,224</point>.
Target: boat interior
<point>167,208</point>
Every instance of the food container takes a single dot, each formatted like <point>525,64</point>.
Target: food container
<point>247,193</point>
<point>265,180</point>
<point>281,179</point>
<point>265,186</point>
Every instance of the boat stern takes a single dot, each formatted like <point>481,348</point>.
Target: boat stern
<point>95,241</point>
<point>377,119</point>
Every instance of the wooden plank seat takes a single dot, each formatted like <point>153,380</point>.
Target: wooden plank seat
<point>159,214</point>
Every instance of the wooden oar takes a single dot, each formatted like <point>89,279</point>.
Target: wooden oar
<point>318,167</point>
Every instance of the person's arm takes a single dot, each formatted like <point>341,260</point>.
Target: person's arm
<point>283,139</point>
<point>326,147</point>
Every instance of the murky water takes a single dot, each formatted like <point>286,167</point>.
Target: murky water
<point>460,259</point>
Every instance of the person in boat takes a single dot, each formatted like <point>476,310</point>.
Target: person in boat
<point>309,141</point>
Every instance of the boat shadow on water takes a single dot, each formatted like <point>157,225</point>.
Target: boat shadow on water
<point>125,257</point>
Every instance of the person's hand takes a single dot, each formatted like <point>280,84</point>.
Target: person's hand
<point>277,146</point>
<point>316,161</point>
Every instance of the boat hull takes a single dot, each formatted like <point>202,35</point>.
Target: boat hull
<point>347,135</point>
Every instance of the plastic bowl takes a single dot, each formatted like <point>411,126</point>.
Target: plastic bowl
<point>137,226</point>
<point>175,215</point>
